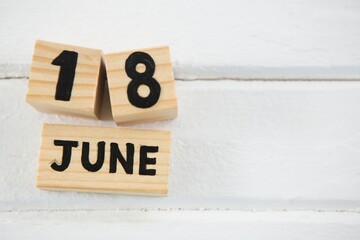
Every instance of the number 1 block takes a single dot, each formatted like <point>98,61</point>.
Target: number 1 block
<point>66,79</point>
<point>141,85</point>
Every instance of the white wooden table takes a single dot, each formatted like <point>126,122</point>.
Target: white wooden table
<point>249,159</point>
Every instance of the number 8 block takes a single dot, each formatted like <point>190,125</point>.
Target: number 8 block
<point>141,85</point>
<point>66,79</point>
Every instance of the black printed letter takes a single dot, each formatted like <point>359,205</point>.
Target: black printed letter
<point>144,160</point>
<point>85,157</point>
<point>66,157</point>
<point>115,155</point>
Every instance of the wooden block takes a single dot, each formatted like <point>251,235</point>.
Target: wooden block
<point>141,85</point>
<point>99,159</point>
<point>66,79</point>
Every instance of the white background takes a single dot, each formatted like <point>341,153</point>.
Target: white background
<point>249,158</point>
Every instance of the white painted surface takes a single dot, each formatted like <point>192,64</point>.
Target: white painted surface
<point>180,225</point>
<point>276,39</point>
<point>234,145</point>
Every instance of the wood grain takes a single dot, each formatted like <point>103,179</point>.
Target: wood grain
<point>123,111</point>
<point>87,91</point>
<point>77,178</point>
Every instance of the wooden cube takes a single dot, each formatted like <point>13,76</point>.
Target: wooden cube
<point>141,85</point>
<point>66,79</point>
<point>100,159</point>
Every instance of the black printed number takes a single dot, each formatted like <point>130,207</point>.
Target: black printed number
<point>145,78</point>
<point>67,61</point>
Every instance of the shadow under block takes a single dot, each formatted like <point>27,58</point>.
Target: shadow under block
<point>66,79</point>
<point>88,146</point>
<point>141,85</point>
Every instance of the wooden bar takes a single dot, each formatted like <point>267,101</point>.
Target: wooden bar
<point>101,159</point>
